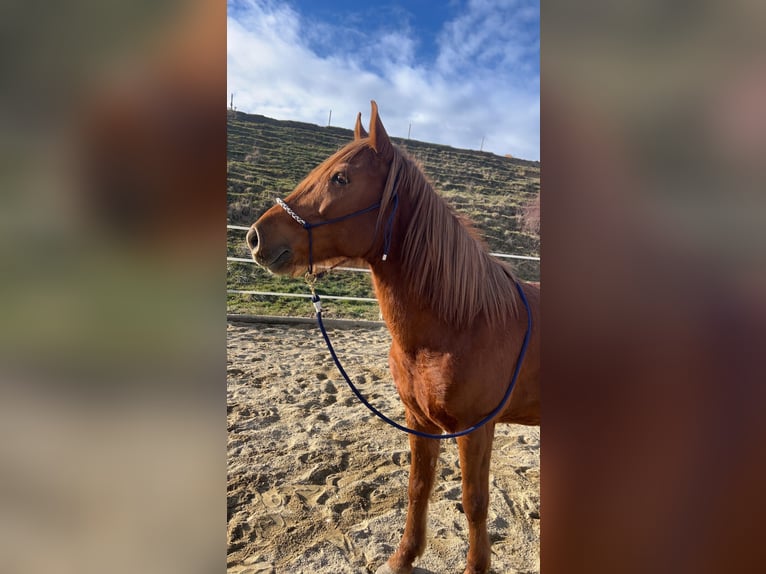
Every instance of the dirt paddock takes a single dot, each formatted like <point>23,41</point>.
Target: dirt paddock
<point>317,484</point>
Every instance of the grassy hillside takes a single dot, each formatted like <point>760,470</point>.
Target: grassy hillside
<point>268,158</point>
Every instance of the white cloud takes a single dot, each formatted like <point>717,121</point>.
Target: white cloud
<point>491,35</point>
<point>483,84</point>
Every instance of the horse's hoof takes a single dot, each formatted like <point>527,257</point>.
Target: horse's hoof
<point>386,569</point>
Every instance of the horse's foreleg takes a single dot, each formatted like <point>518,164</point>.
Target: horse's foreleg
<point>425,454</point>
<point>475,452</point>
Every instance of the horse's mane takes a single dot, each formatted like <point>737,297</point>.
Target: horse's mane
<point>443,259</point>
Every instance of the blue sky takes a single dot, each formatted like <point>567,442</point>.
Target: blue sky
<point>458,71</point>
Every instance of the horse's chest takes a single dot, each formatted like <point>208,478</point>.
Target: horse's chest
<point>424,381</point>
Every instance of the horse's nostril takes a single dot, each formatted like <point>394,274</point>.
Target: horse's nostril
<point>252,238</point>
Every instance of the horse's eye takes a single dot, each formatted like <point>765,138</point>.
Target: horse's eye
<point>339,179</point>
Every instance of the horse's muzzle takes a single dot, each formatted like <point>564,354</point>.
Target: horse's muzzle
<point>278,259</point>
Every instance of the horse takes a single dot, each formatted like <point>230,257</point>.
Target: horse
<point>452,310</point>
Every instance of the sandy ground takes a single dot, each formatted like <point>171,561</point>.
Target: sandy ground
<point>317,484</point>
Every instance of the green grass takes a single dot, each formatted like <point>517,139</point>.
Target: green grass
<point>267,158</point>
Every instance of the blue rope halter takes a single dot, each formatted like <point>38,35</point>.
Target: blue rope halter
<point>309,226</point>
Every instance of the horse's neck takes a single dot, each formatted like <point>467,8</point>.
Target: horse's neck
<point>401,307</point>
<point>410,320</point>
<point>415,301</point>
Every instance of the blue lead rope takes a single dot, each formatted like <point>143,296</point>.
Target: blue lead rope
<point>387,232</point>
<point>376,412</point>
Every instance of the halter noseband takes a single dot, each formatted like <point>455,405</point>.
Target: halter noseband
<point>309,226</point>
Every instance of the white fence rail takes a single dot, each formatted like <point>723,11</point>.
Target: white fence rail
<point>246,260</point>
<point>336,297</point>
<point>304,296</point>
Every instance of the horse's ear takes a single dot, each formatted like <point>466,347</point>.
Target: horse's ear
<point>378,137</point>
<point>359,131</point>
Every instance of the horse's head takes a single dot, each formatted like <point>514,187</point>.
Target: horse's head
<point>332,214</point>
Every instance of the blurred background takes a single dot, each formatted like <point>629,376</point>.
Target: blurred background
<point>653,237</point>
<point>112,328</point>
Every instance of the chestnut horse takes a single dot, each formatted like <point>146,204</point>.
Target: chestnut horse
<point>452,310</point>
